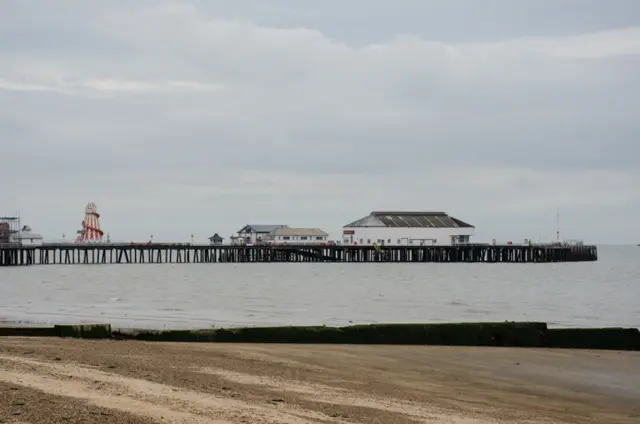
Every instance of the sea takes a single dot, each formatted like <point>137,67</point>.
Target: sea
<point>175,296</point>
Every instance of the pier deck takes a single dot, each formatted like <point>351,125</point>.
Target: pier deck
<point>171,253</point>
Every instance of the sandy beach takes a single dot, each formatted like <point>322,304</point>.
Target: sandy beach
<point>78,381</point>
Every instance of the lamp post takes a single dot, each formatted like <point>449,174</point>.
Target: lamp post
<point>192,239</point>
<point>151,238</point>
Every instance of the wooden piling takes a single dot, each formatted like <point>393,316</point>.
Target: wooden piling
<point>93,254</point>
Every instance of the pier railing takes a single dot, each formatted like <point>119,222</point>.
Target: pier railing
<point>184,253</point>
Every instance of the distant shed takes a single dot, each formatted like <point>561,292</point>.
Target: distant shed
<point>216,240</point>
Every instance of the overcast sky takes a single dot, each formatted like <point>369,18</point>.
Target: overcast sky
<point>199,117</point>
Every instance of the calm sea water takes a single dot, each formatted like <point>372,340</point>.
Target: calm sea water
<point>604,293</point>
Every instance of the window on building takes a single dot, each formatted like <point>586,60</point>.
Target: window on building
<point>303,237</point>
<point>286,238</point>
<point>368,241</point>
<point>389,241</point>
<point>319,238</point>
<point>361,241</point>
<point>399,241</point>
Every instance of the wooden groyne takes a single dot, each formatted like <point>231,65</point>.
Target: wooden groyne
<point>504,334</point>
<point>169,253</point>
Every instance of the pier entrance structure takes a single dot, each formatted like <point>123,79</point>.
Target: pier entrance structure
<point>393,228</point>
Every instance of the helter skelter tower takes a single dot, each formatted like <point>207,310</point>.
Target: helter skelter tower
<point>90,231</point>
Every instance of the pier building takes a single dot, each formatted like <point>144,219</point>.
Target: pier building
<point>394,228</point>
<point>254,233</point>
<point>26,237</point>
<point>304,236</point>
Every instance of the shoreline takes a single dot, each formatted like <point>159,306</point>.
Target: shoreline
<point>106,381</point>
<point>501,334</point>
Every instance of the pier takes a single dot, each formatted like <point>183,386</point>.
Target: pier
<point>94,254</point>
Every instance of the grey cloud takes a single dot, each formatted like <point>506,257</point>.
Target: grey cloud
<point>364,21</point>
<point>210,122</point>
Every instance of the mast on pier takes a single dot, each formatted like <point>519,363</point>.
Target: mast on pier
<point>558,225</point>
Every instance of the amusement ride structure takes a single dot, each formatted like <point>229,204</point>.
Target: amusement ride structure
<point>90,231</point>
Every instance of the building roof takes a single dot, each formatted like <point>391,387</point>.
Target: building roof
<point>304,232</point>
<point>253,228</point>
<point>412,219</point>
<point>216,236</point>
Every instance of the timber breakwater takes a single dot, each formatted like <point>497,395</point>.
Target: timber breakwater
<point>170,253</point>
<point>501,334</point>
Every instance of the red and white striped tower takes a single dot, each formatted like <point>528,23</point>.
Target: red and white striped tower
<point>91,231</point>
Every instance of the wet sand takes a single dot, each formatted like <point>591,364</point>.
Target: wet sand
<point>78,381</point>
